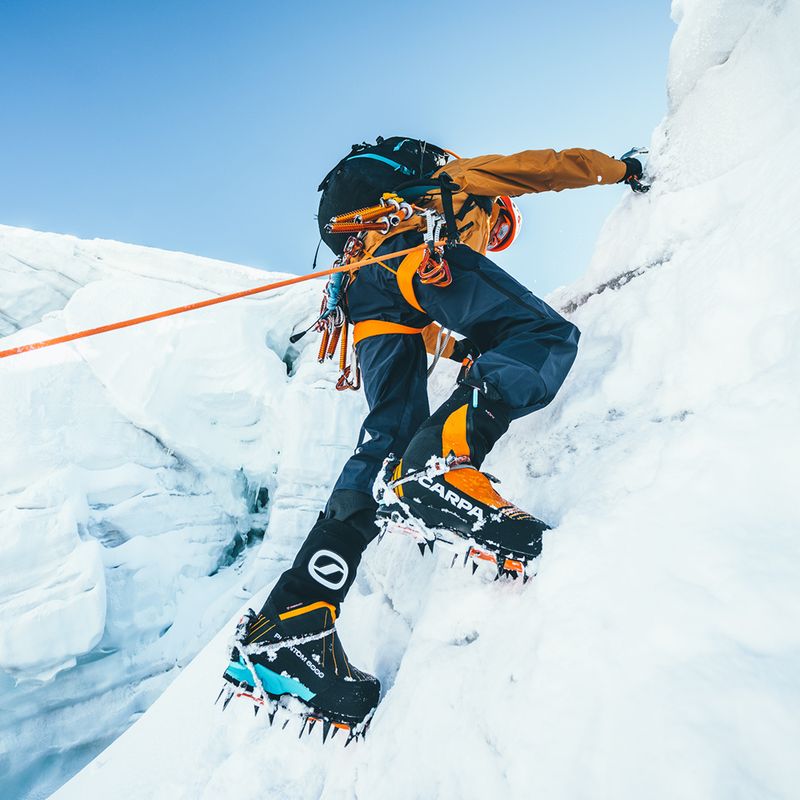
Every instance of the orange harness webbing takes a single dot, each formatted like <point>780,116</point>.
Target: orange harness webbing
<point>377,327</point>
<point>405,277</point>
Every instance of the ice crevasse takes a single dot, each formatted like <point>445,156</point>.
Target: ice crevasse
<point>139,472</point>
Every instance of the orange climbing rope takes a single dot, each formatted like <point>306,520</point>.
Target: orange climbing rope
<point>170,312</point>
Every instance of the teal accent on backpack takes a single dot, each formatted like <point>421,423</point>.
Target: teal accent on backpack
<point>394,164</point>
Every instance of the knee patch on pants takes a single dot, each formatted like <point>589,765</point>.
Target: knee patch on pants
<point>325,566</point>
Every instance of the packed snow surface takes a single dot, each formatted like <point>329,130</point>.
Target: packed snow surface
<point>657,652</point>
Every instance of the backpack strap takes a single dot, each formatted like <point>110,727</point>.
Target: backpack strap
<point>473,200</point>
<point>448,186</point>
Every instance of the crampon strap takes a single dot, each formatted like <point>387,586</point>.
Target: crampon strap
<point>436,467</point>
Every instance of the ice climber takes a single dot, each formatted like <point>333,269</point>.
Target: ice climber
<point>516,353</point>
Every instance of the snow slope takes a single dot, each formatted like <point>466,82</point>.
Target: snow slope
<point>657,652</point>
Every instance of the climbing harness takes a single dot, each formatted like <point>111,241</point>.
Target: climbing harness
<point>427,261</point>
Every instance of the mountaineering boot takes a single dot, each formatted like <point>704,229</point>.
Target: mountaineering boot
<point>291,649</point>
<point>297,653</point>
<point>439,483</point>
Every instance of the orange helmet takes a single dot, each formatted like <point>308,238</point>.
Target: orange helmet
<point>507,225</point>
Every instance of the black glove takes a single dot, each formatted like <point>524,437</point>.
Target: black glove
<point>633,169</point>
<point>633,174</point>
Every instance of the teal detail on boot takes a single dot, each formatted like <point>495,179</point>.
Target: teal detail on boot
<point>271,681</point>
<point>239,673</point>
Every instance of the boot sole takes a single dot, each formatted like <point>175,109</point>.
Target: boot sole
<point>480,555</point>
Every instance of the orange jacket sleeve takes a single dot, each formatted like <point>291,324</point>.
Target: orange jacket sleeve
<point>534,171</point>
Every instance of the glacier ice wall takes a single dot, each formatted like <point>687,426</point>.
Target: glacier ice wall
<point>139,471</point>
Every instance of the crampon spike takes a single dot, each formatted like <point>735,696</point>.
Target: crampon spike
<point>271,717</point>
<point>474,567</point>
<point>326,729</point>
<point>256,709</point>
<point>311,723</point>
<point>303,727</point>
<point>228,697</point>
<point>513,567</point>
<point>422,547</point>
<point>430,543</point>
<point>453,562</point>
<point>283,727</point>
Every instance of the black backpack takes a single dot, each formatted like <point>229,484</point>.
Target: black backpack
<point>368,171</point>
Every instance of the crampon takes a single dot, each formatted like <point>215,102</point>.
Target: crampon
<point>284,699</point>
<point>467,544</point>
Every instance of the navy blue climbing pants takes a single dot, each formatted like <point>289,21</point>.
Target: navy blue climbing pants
<point>526,349</point>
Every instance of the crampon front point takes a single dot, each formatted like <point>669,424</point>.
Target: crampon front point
<point>284,709</point>
<point>292,666</point>
<point>480,555</point>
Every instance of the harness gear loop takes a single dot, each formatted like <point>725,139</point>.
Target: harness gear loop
<point>433,268</point>
<point>333,322</point>
<point>388,214</point>
<point>341,337</point>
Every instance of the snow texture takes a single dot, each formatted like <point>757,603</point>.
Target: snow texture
<point>139,470</point>
<point>657,652</point>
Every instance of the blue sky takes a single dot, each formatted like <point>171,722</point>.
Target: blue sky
<point>207,126</point>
